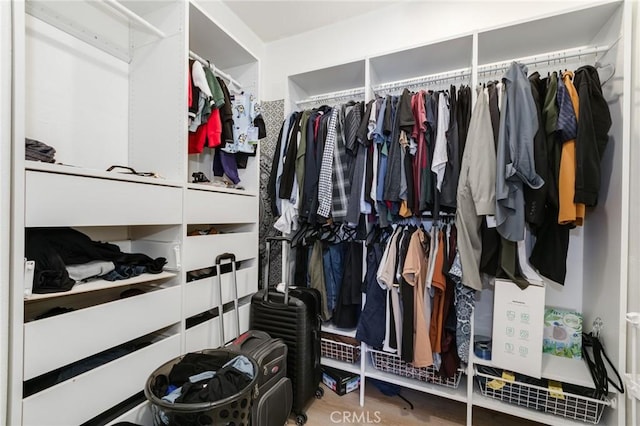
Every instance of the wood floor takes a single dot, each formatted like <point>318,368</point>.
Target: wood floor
<point>392,410</point>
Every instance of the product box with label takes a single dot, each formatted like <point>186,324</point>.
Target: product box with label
<point>562,333</point>
<point>339,381</point>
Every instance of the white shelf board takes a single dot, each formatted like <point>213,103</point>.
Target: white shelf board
<point>99,284</point>
<point>331,79</point>
<point>564,370</point>
<point>563,31</point>
<point>480,400</point>
<point>457,394</point>
<point>330,328</point>
<point>102,174</point>
<point>341,365</point>
<point>212,43</point>
<point>420,61</point>
<point>214,188</point>
<point>87,22</point>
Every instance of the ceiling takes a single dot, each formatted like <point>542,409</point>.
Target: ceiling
<point>275,20</point>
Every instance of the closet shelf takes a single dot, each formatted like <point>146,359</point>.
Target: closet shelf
<point>330,328</point>
<point>95,173</point>
<point>341,365</point>
<point>99,284</point>
<point>84,19</point>
<point>213,188</point>
<point>564,370</point>
<point>457,394</point>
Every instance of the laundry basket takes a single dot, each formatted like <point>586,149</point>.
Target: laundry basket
<point>234,410</point>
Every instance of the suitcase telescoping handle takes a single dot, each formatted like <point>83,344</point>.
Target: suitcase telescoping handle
<point>219,259</point>
<point>265,296</point>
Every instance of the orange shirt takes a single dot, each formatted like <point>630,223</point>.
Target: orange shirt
<point>439,285</point>
<point>415,273</point>
<point>569,212</point>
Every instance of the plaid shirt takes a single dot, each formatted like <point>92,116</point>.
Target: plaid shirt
<point>324,182</point>
<point>341,160</point>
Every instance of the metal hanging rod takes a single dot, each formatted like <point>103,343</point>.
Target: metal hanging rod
<point>423,80</point>
<point>333,96</point>
<point>114,4</point>
<point>217,71</point>
<point>559,55</point>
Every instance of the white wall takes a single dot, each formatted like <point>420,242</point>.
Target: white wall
<point>396,27</point>
<point>634,237</point>
<point>5,198</point>
<point>634,227</point>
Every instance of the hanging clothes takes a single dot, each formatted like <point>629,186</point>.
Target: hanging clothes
<point>347,311</point>
<point>440,156</point>
<point>464,303</point>
<point>569,211</point>
<point>515,160</point>
<point>415,274</point>
<point>439,285</point>
<point>549,254</point>
<point>476,191</point>
<point>452,168</point>
<point>535,199</point>
<point>386,277</point>
<point>406,296</point>
<point>340,172</point>
<point>316,277</point>
<point>371,324</point>
<point>592,138</point>
<point>225,163</point>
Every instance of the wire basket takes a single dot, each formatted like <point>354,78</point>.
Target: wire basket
<point>571,406</point>
<point>341,351</point>
<point>391,363</point>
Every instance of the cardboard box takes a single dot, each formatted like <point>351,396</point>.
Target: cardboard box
<point>562,333</point>
<point>339,381</point>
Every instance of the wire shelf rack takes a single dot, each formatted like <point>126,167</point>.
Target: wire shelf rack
<point>560,403</point>
<point>391,363</point>
<point>339,350</point>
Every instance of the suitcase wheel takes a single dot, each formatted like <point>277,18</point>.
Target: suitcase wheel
<point>301,419</point>
<point>319,393</point>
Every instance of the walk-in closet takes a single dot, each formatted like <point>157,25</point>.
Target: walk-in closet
<point>166,134</point>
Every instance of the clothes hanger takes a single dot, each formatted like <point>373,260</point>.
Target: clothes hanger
<point>608,75</point>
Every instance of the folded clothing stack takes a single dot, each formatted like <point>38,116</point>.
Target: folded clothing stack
<point>39,151</point>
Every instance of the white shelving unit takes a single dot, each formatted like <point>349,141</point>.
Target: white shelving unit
<point>596,282</point>
<point>105,84</point>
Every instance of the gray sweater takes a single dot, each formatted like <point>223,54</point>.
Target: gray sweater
<point>515,161</point>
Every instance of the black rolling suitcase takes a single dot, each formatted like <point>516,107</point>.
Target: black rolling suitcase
<point>274,399</point>
<point>293,316</point>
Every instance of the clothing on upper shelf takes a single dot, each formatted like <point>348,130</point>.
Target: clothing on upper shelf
<point>39,151</point>
<point>218,119</point>
<point>245,135</point>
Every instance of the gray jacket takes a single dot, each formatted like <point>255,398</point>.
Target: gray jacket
<point>515,161</point>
